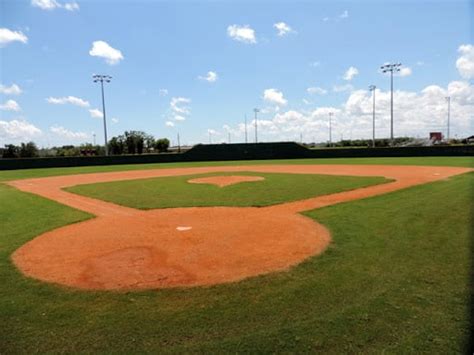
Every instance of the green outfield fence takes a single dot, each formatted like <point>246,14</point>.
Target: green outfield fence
<point>251,151</point>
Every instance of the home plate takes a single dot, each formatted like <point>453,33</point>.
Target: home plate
<point>182,229</point>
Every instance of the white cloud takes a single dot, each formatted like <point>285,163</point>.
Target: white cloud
<point>163,92</point>
<point>210,77</point>
<point>15,131</point>
<point>243,34</point>
<point>179,118</point>
<point>420,63</point>
<point>213,132</point>
<point>102,49</point>
<point>344,15</point>
<point>179,105</point>
<point>68,100</point>
<point>10,90</point>
<point>66,133</point>
<point>283,29</point>
<point>10,105</point>
<point>316,90</point>
<point>96,113</point>
<point>415,114</point>
<point>465,63</point>
<point>405,71</point>
<point>53,4</point>
<point>342,88</point>
<point>315,64</point>
<point>71,6</point>
<point>114,120</point>
<point>350,73</point>
<point>274,96</point>
<point>169,124</point>
<point>7,36</point>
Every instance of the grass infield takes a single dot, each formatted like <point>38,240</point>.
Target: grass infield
<point>395,279</point>
<point>165,192</point>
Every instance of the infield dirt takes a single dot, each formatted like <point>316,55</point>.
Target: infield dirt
<point>124,248</point>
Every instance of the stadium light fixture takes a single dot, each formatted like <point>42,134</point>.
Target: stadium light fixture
<point>391,67</point>
<point>100,79</point>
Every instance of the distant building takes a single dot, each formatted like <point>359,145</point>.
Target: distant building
<point>436,137</point>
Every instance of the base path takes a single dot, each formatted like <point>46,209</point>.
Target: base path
<point>125,248</point>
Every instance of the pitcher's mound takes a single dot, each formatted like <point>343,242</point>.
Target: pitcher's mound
<point>222,181</point>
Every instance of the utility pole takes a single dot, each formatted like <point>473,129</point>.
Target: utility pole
<point>246,141</point>
<point>179,144</point>
<point>372,88</point>
<point>391,68</point>
<point>93,135</point>
<point>256,110</point>
<point>330,128</point>
<point>101,79</point>
<point>448,99</point>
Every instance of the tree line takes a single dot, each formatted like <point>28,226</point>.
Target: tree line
<point>130,142</point>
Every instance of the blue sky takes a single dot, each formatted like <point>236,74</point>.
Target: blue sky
<point>173,45</point>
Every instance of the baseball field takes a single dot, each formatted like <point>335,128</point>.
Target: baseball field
<point>316,255</point>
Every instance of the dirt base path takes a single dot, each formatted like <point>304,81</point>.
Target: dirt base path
<point>124,248</point>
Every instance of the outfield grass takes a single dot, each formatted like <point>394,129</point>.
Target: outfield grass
<point>395,279</point>
<point>431,161</point>
<point>175,191</point>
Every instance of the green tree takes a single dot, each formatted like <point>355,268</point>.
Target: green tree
<point>135,141</point>
<point>162,144</point>
<point>28,150</point>
<point>11,151</point>
<point>117,145</point>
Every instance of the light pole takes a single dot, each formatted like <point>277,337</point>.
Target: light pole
<point>101,79</point>
<point>448,99</point>
<point>330,128</point>
<point>179,144</point>
<point>372,88</point>
<point>256,110</point>
<point>391,68</point>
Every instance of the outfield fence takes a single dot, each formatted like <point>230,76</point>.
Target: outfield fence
<point>225,152</point>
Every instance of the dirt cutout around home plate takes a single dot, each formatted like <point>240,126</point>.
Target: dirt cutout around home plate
<point>127,249</point>
<point>225,180</point>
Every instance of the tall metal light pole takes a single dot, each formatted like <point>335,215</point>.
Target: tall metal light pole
<point>101,79</point>
<point>256,110</point>
<point>448,99</point>
<point>330,128</point>
<point>372,88</point>
<point>391,68</point>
